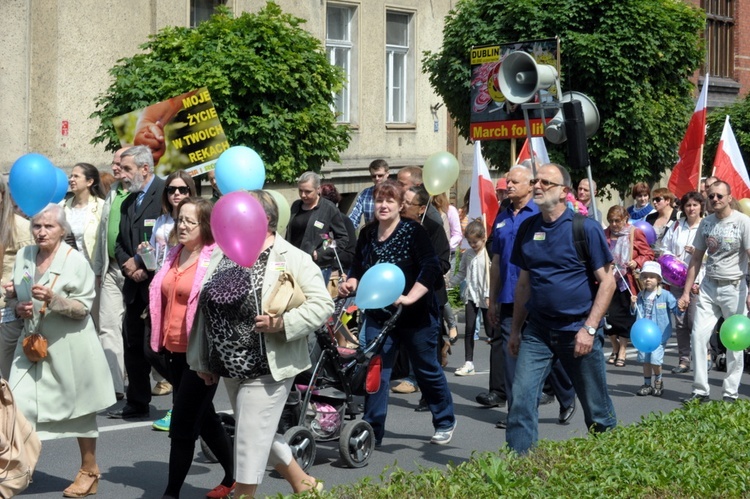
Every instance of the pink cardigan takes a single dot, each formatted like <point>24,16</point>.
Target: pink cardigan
<point>155,305</point>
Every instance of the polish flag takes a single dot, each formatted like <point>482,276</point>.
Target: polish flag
<point>540,151</point>
<point>686,173</point>
<point>729,165</point>
<point>482,201</point>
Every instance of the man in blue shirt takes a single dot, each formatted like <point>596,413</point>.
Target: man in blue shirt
<point>365,204</point>
<point>503,278</point>
<point>564,309</point>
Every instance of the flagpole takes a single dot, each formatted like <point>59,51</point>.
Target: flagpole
<point>700,171</point>
<point>513,154</point>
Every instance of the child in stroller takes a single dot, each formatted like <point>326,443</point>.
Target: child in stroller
<point>323,407</point>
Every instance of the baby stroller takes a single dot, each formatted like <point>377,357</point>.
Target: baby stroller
<point>322,405</point>
<point>325,408</point>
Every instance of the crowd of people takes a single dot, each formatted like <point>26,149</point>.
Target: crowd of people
<point>128,287</point>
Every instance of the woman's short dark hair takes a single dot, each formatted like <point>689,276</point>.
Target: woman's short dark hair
<point>269,206</point>
<point>617,210</point>
<point>166,208</point>
<point>694,196</point>
<point>421,196</point>
<point>90,172</point>
<point>388,189</point>
<point>329,192</point>
<point>639,189</point>
<point>203,209</point>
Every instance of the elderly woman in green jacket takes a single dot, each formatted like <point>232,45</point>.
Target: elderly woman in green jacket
<point>257,354</point>
<point>52,291</point>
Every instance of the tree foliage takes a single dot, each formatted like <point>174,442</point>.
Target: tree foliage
<point>632,57</point>
<point>269,80</point>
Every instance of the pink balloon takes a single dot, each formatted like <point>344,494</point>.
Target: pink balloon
<point>239,225</point>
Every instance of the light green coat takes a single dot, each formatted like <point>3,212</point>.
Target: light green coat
<point>74,379</point>
<point>287,351</point>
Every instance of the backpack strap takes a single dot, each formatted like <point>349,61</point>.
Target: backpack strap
<point>579,239</point>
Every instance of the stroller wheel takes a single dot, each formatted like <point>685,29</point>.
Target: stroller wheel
<point>302,443</point>
<point>356,443</point>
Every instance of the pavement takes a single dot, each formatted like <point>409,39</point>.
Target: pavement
<point>134,458</point>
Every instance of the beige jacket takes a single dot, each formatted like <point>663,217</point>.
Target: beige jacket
<point>287,351</point>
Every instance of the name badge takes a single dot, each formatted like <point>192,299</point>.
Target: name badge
<point>539,236</point>
<point>318,224</point>
<point>27,277</point>
<point>149,222</point>
<point>661,305</point>
<point>205,263</point>
<point>279,266</point>
<point>500,225</point>
<point>7,314</point>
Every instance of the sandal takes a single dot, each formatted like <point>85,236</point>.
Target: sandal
<point>620,362</point>
<point>612,358</point>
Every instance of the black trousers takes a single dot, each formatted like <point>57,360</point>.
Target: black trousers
<point>135,345</point>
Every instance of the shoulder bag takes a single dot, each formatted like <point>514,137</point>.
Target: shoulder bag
<point>19,446</point>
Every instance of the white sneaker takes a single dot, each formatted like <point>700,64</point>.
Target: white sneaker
<point>466,370</point>
<point>443,437</point>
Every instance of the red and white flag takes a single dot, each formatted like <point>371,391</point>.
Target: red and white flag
<point>540,151</point>
<point>686,173</point>
<point>729,165</point>
<point>482,200</point>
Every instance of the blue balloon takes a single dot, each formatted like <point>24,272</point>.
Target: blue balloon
<point>239,168</point>
<point>62,186</point>
<point>648,231</point>
<point>32,183</point>
<point>645,335</point>
<point>381,285</point>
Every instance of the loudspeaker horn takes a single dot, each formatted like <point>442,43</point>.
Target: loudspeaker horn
<point>555,129</point>
<point>521,77</point>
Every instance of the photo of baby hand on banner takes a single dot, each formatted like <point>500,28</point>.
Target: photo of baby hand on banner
<point>183,133</point>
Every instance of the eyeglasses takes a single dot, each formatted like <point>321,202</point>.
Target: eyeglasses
<point>406,203</point>
<point>615,221</point>
<point>190,224</point>
<point>183,189</point>
<point>715,196</point>
<point>658,199</point>
<point>546,184</point>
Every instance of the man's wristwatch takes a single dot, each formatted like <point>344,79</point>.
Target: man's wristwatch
<point>590,329</point>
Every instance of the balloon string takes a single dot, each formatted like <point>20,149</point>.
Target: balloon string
<point>425,210</point>
<point>637,309</point>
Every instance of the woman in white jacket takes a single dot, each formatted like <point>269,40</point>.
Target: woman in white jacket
<point>84,210</point>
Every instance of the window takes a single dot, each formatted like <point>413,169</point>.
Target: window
<point>399,67</point>
<point>720,37</point>
<point>341,29</point>
<point>201,10</point>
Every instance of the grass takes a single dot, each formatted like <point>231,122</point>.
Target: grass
<point>699,451</point>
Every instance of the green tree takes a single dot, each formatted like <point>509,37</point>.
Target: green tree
<point>269,79</point>
<point>632,57</point>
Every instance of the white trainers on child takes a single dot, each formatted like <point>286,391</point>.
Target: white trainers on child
<point>466,370</point>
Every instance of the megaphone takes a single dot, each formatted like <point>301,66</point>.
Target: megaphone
<point>555,129</point>
<point>521,77</point>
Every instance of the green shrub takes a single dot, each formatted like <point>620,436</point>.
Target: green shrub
<point>699,451</point>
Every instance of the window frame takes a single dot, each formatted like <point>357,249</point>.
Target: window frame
<point>347,95</point>
<point>399,109</point>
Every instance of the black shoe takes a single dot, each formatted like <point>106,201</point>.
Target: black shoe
<point>566,413</point>
<point>681,369</point>
<point>729,400</point>
<point>422,407</point>
<point>491,399</point>
<point>128,412</point>
<point>501,425</point>
<point>700,398</point>
<point>546,399</point>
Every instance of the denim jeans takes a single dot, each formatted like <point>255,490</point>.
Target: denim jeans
<point>421,344</point>
<point>540,347</point>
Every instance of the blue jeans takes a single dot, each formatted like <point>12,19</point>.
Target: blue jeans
<point>421,345</point>
<point>540,347</point>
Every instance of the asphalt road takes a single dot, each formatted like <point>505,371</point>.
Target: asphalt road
<point>134,458</point>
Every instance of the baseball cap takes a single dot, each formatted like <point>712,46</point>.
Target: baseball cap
<point>651,268</point>
<point>501,185</point>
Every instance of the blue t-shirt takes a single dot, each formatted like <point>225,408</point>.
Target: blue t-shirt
<point>561,294</point>
<point>504,233</point>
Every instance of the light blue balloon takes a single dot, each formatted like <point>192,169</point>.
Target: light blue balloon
<point>62,186</point>
<point>239,168</point>
<point>645,335</point>
<point>32,182</point>
<point>381,285</point>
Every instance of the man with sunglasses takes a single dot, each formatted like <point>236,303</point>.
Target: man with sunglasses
<point>724,237</point>
<point>365,204</point>
<point>558,310</point>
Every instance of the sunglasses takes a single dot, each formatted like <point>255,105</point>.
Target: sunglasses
<point>546,184</point>
<point>715,196</point>
<point>658,199</point>
<point>183,189</point>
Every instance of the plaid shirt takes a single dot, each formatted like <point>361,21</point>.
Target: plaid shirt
<point>365,205</point>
